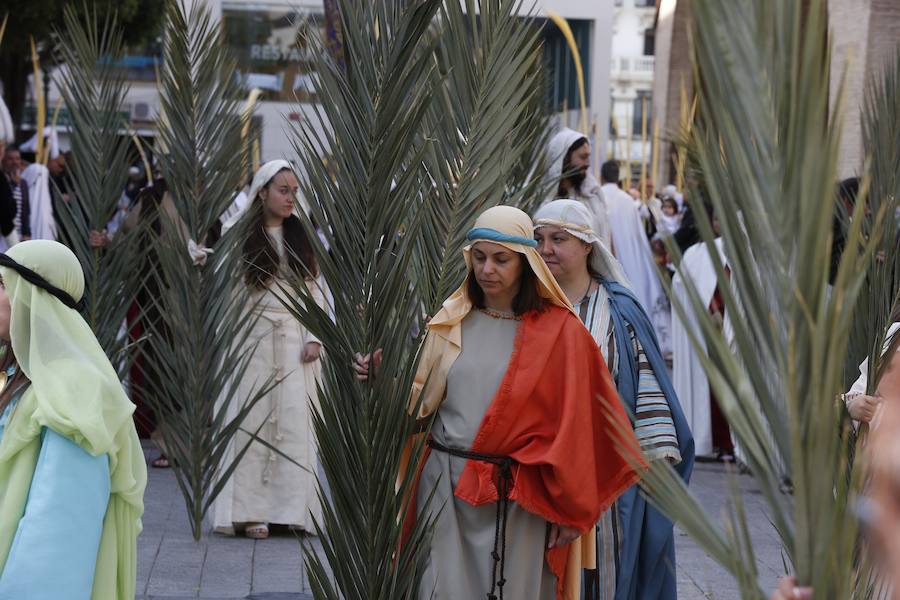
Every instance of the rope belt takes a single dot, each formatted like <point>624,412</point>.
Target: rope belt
<point>504,486</point>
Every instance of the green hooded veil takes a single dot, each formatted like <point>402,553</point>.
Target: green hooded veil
<point>75,392</point>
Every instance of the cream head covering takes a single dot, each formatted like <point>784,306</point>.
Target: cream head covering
<point>75,392</point>
<point>558,147</point>
<point>260,180</point>
<point>573,217</point>
<point>512,229</point>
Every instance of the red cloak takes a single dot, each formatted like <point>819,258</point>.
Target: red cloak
<point>554,414</point>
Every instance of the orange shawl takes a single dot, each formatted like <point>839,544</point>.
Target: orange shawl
<point>551,414</point>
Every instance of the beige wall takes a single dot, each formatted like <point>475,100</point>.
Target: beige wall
<point>849,22</point>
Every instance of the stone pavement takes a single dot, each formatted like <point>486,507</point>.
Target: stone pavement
<point>172,566</point>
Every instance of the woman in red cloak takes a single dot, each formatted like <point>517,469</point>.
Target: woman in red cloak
<point>522,457</point>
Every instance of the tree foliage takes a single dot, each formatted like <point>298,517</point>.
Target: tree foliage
<point>94,94</point>
<point>139,21</point>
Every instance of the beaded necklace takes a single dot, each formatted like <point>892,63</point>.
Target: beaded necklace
<point>496,314</point>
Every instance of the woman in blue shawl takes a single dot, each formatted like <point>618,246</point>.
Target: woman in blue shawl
<point>635,542</point>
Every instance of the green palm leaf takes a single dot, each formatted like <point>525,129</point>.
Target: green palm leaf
<point>763,153</point>
<point>199,345</point>
<point>370,118</point>
<point>487,128</point>
<point>94,94</point>
<point>425,118</point>
<point>881,140</point>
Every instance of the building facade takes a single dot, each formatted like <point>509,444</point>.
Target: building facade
<point>262,34</point>
<point>631,82</point>
<point>865,36</point>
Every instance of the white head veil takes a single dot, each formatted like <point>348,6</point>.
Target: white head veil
<point>260,180</point>
<point>43,226</point>
<point>574,218</point>
<point>558,147</point>
<point>7,131</point>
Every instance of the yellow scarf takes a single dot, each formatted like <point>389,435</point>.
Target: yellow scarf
<point>512,229</point>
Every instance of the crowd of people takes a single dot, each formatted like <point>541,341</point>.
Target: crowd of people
<point>557,350</point>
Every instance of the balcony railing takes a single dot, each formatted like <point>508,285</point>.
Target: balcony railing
<point>632,67</point>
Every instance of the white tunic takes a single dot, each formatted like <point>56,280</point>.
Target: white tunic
<point>688,376</point>
<point>633,250</point>
<point>266,487</point>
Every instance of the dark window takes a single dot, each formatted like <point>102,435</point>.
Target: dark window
<point>649,41</point>
<point>562,79</point>
<point>642,102</point>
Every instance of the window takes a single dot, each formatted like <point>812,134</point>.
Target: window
<point>561,76</point>
<point>270,50</point>
<point>649,41</point>
<point>642,102</point>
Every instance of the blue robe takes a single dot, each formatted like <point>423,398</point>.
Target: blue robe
<point>54,552</point>
<point>647,555</point>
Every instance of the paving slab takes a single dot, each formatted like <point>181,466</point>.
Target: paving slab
<point>172,566</point>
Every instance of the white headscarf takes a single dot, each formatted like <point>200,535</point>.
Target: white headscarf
<point>51,138</point>
<point>260,180</point>
<point>574,218</point>
<point>7,131</point>
<point>43,226</point>
<point>589,193</point>
<point>558,147</point>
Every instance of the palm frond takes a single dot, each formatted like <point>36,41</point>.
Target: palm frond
<point>199,343</point>
<point>95,93</point>
<point>371,115</point>
<point>426,116</point>
<point>486,128</point>
<point>881,141</point>
<point>763,154</point>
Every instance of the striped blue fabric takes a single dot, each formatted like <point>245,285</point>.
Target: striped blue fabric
<point>485,234</point>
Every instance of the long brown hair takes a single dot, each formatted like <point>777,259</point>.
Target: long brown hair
<point>260,256</point>
<point>8,359</point>
<point>527,299</point>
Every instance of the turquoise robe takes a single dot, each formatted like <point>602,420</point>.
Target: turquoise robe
<point>54,552</point>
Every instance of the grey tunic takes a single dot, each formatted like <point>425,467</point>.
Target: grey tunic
<point>460,564</point>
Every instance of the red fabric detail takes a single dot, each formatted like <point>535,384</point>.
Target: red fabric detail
<point>144,418</point>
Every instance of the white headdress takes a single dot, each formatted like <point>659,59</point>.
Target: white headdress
<point>260,180</point>
<point>558,147</point>
<point>7,131</point>
<point>574,218</point>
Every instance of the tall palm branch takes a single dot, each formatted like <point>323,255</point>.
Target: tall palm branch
<point>372,106</point>
<point>416,118</point>
<point>199,343</point>
<point>764,148</point>
<point>881,141</point>
<point>487,129</point>
<point>94,93</point>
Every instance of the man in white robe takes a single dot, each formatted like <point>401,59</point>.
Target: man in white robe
<point>632,248</point>
<point>569,155</point>
<point>689,378</point>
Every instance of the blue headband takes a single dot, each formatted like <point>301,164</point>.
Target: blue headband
<point>492,235</point>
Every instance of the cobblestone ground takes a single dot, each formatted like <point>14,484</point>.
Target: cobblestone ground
<point>172,566</point>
